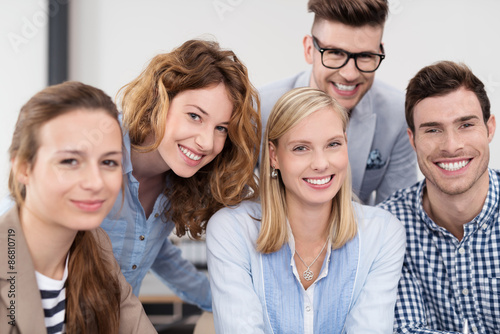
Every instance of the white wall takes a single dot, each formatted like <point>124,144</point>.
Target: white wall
<point>112,40</point>
<point>23,72</point>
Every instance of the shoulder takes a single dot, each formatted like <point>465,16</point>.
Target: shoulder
<point>271,92</point>
<point>403,202</point>
<point>385,93</point>
<point>386,101</point>
<point>10,223</point>
<point>243,218</point>
<point>372,218</point>
<point>103,240</point>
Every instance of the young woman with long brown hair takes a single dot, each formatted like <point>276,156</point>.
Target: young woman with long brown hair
<point>59,272</point>
<point>192,137</point>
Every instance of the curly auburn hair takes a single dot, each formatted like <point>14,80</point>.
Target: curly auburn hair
<point>229,178</point>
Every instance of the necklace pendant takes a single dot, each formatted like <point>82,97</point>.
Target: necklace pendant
<point>308,275</point>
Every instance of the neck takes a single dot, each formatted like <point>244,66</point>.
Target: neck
<point>309,225</point>
<point>453,211</point>
<point>48,244</point>
<point>148,165</point>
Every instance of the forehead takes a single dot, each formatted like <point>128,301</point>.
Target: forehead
<point>338,35</point>
<point>321,125</point>
<point>447,108</point>
<point>81,129</point>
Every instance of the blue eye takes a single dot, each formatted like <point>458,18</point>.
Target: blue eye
<point>111,163</point>
<point>222,129</point>
<point>71,162</point>
<point>194,116</point>
<point>299,148</point>
<point>334,144</point>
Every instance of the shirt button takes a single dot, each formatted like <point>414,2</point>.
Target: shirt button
<point>461,251</point>
<point>465,292</point>
<point>308,308</point>
<point>474,329</point>
<point>134,267</point>
<point>142,237</point>
<point>157,215</point>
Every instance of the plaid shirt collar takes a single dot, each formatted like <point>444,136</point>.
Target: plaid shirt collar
<point>482,220</point>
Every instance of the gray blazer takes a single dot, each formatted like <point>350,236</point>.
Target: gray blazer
<point>380,154</point>
<point>19,294</point>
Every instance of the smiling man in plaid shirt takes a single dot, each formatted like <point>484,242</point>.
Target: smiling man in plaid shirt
<point>451,272</point>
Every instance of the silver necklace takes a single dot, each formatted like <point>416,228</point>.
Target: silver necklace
<point>308,274</point>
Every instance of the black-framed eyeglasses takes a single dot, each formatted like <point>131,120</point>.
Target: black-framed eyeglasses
<point>336,58</point>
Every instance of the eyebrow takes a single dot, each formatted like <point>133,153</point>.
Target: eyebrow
<point>81,153</point>
<point>458,120</point>
<point>300,141</point>
<point>204,112</point>
<point>338,48</point>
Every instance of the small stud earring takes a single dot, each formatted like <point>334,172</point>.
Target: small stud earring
<point>274,173</point>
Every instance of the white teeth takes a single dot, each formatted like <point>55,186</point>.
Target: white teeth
<point>453,166</point>
<point>345,87</point>
<point>190,154</point>
<point>320,181</point>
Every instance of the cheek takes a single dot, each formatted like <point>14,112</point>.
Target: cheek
<point>219,144</point>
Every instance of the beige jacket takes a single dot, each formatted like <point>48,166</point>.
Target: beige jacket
<point>19,295</point>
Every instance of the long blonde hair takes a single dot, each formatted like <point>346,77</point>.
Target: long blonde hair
<point>290,109</point>
<point>229,178</point>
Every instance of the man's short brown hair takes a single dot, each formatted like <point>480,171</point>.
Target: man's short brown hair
<point>355,13</point>
<point>441,79</point>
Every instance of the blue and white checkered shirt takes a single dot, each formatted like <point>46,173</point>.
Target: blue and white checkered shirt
<point>444,280</point>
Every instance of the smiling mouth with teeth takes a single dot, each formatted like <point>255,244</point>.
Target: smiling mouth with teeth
<point>345,87</point>
<point>453,166</point>
<point>190,154</point>
<point>319,181</point>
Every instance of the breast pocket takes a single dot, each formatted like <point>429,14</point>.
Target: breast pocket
<point>116,232</point>
<point>371,180</point>
<point>489,301</point>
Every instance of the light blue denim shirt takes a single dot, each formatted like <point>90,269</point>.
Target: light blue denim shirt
<point>141,244</point>
<point>257,293</point>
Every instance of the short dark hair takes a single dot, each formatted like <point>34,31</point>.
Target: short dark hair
<point>355,13</point>
<point>440,79</point>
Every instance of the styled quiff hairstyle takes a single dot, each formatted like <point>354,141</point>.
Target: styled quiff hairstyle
<point>289,111</point>
<point>229,178</point>
<point>354,13</point>
<point>92,291</point>
<point>440,79</point>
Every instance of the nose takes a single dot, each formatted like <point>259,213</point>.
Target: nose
<point>452,142</point>
<point>349,71</point>
<point>319,162</point>
<point>92,178</point>
<point>205,140</point>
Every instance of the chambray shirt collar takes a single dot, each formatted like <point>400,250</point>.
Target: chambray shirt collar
<point>126,161</point>
<point>483,220</point>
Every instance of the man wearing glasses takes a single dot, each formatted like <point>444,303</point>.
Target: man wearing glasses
<point>345,49</point>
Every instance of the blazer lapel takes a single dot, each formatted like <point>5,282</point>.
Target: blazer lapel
<point>360,135</point>
<point>29,312</point>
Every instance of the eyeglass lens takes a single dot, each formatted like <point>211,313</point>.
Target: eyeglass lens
<point>338,58</point>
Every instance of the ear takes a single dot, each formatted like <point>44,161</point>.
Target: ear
<point>491,126</point>
<point>308,48</point>
<point>273,157</point>
<point>411,137</point>
<point>21,171</point>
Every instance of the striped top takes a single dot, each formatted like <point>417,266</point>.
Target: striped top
<point>53,293</point>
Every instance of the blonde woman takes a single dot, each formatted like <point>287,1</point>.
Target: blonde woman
<point>308,259</point>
